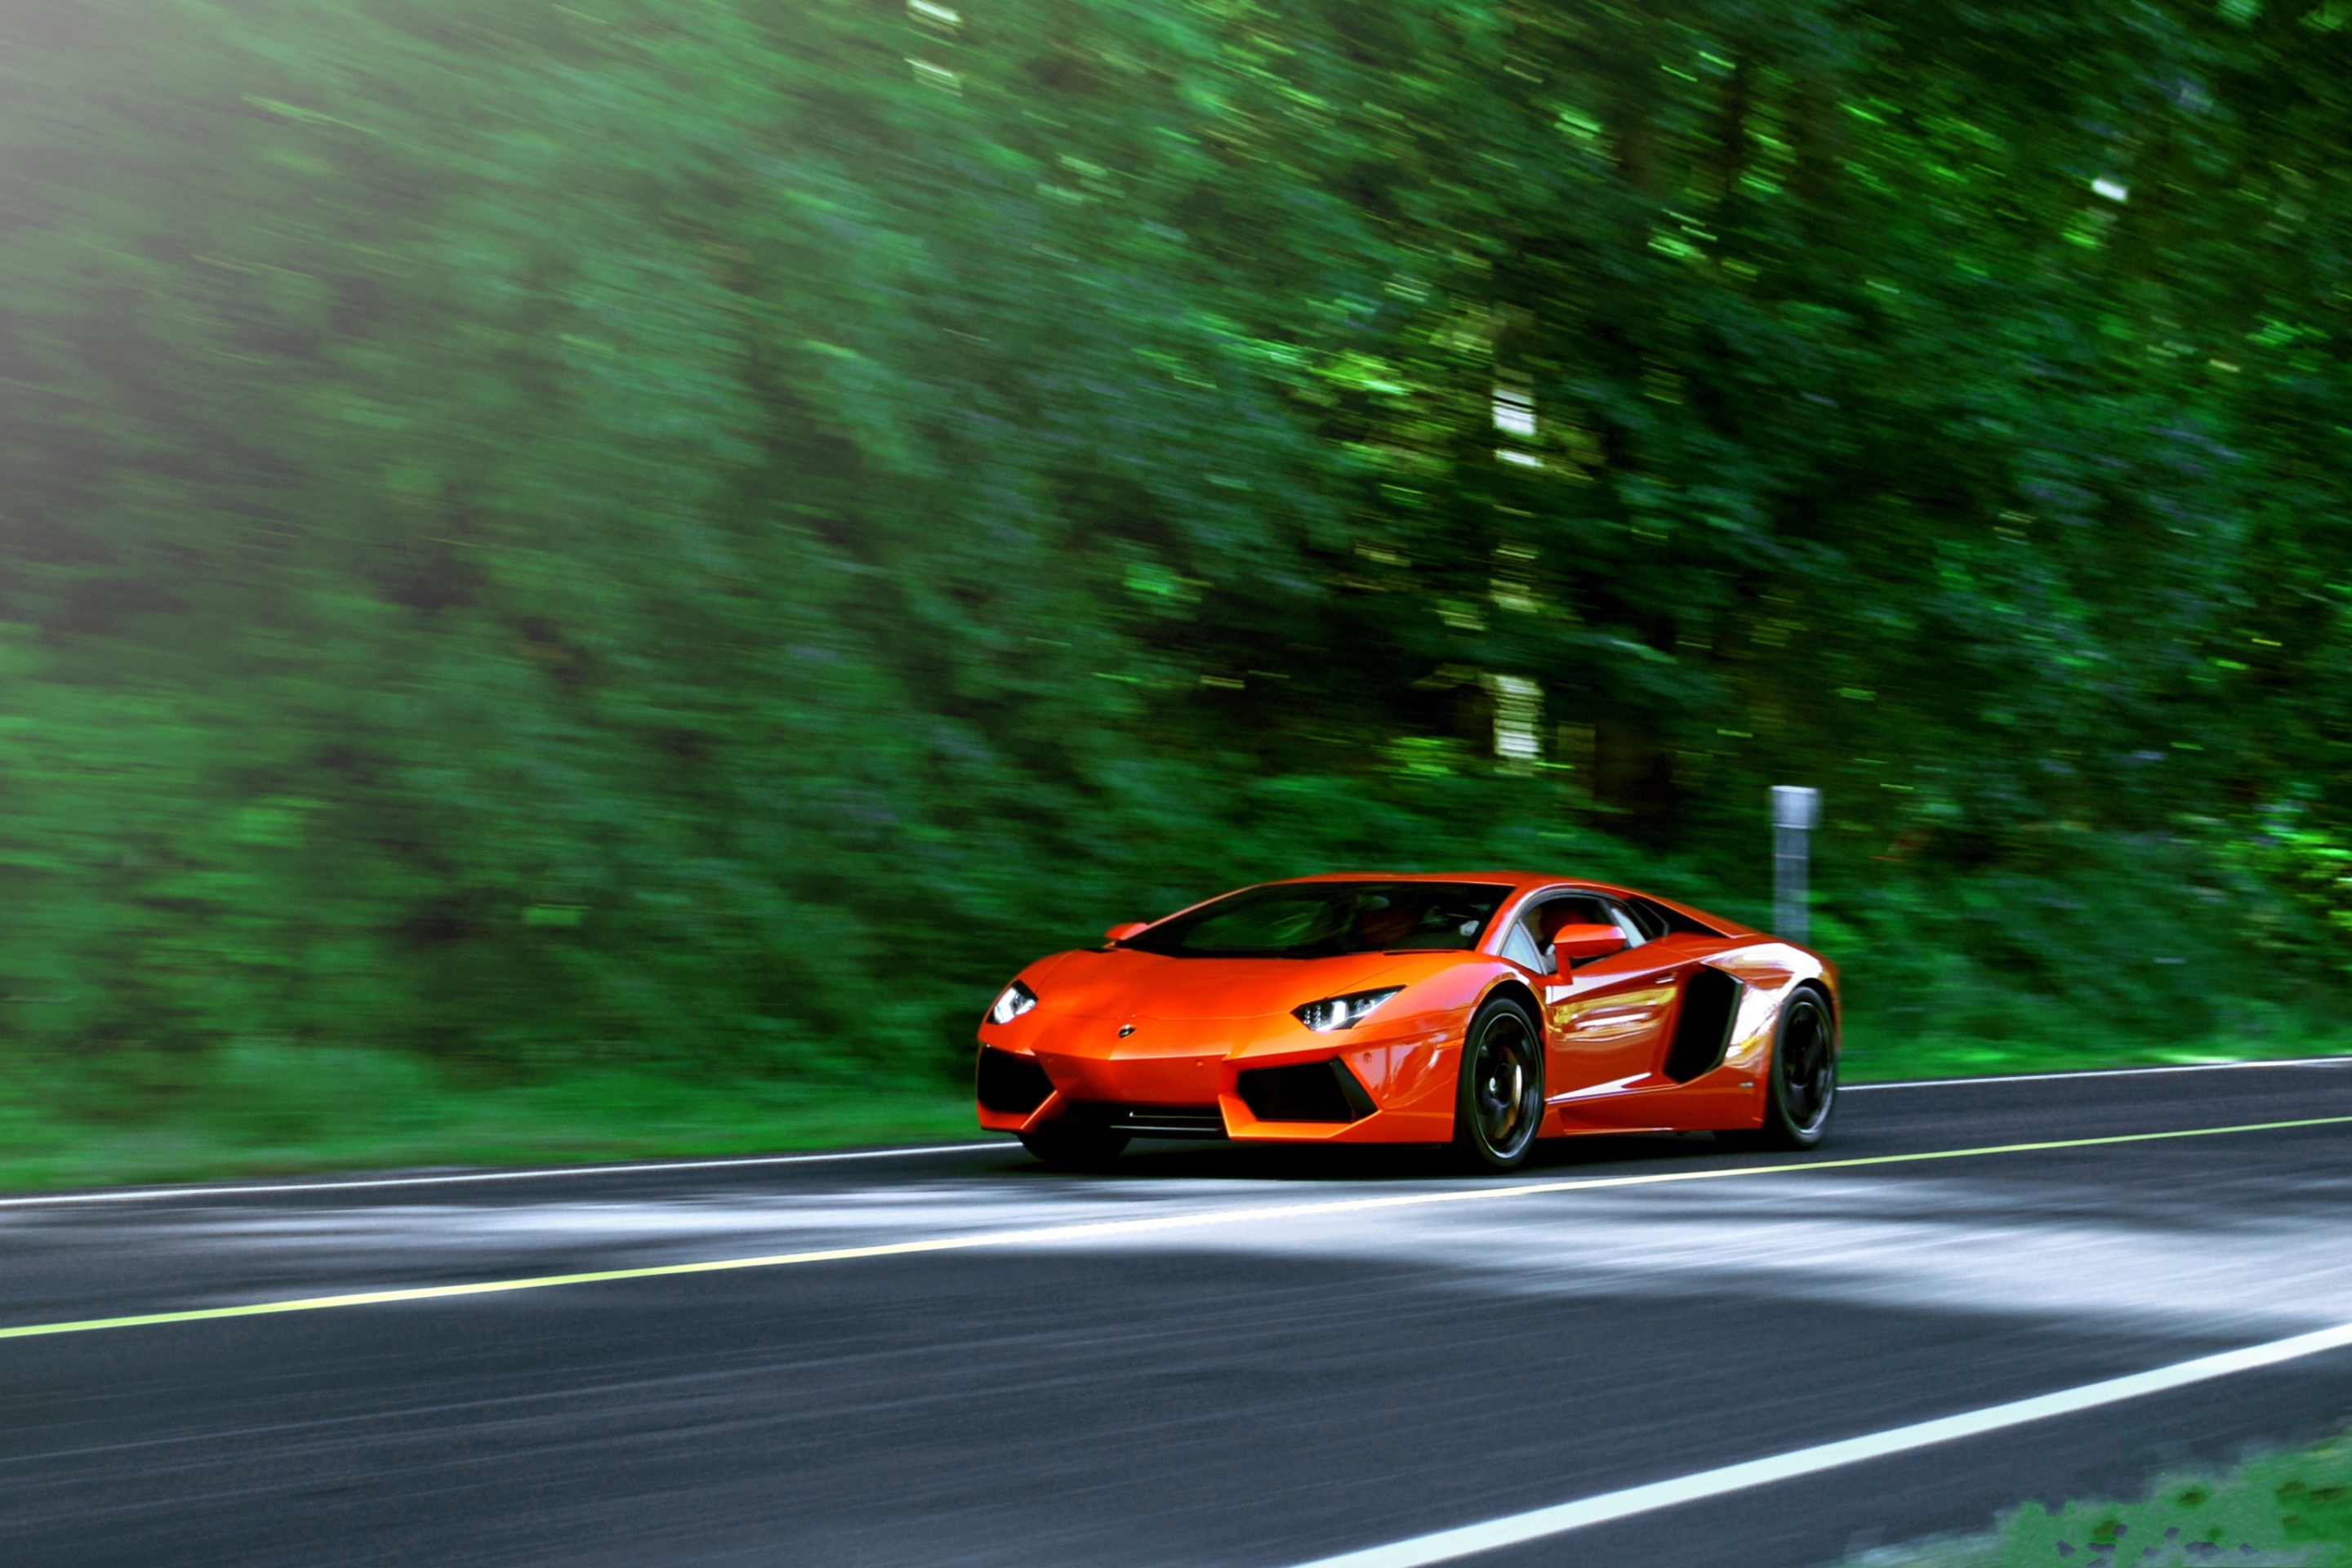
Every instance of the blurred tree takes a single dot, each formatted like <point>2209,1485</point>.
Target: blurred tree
<point>707,529</point>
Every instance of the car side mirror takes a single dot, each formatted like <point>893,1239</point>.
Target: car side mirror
<point>1571,943</point>
<point>1121,933</point>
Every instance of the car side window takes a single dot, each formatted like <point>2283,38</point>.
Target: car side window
<point>1635,932</point>
<point>1521,948</point>
<point>1667,921</point>
<point>1567,908</point>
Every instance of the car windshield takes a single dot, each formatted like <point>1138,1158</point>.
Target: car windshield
<point>1322,920</point>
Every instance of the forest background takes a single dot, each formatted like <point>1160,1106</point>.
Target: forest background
<point>580,577</point>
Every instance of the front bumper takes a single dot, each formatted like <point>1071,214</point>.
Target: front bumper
<point>1245,1079</point>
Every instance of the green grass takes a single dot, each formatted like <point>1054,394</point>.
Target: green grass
<point>2285,1509</point>
<point>1871,1057</point>
<point>263,1110</point>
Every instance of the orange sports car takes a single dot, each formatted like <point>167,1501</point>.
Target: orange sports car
<point>1485,1009</point>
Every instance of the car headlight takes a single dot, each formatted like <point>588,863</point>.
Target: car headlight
<point>1016,1000</point>
<point>1341,1011</point>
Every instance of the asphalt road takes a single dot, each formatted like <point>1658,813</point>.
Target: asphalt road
<point>1253,1392</point>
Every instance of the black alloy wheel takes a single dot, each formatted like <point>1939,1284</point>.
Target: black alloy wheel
<point>1800,1090</point>
<point>1499,1106</point>
<point>1074,1147</point>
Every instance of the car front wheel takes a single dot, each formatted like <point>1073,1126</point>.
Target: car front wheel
<point>1499,1101</point>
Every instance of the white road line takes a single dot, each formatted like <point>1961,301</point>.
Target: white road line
<point>1088,1230</point>
<point>1514,1529</point>
<point>2097,1072</point>
<point>651,1168</point>
<point>248,1189</point>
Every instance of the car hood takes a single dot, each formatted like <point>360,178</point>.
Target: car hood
<point>1125,983</point>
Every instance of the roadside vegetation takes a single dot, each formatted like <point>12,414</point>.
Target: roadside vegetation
<point>249,1113</point>
<point>591,579</point>
<point>2285,1508</point>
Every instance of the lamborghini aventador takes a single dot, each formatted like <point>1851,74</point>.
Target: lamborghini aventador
<point>1486,1010</point>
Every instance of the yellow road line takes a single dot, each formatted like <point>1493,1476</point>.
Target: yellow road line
<point>1089,1230</point>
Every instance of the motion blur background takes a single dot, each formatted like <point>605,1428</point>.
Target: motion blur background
<point>642,555</point>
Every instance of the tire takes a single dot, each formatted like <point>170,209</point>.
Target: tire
<point>1801,1080</point>
<point>1074,1147</point>
<point>1498,1100</point>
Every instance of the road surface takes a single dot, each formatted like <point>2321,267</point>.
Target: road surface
<point>1330,1353</point>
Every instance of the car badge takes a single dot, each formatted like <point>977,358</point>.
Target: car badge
<point>1125,1030</point>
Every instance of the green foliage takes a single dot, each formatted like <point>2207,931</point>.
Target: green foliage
<point>248,1110</point>
<point>705,531</point>
<point>2311,862</point>
<point>2282,1509</point>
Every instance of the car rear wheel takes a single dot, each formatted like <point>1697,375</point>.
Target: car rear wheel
<point>1800,1083</point>
<point>1498,1103</point>
<point>1074,1147</point>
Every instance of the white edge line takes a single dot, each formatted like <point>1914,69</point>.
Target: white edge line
<point>254,1189</point>
<point>2098,1072</point>
<point>263,1189</point>
<point>1514,1529</point>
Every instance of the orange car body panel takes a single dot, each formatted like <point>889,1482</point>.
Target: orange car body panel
<point>1116,1026</point>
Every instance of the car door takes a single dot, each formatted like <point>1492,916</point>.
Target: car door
<point>1605,1022</point>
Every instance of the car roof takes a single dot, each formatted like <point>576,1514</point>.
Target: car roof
<point>1518,881</point>
<point>1522,882</point>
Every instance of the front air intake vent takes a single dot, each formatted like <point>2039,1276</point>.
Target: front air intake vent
<point>1012,1085</point>
<point>1150,1121</point>
<point>1311,1092</point>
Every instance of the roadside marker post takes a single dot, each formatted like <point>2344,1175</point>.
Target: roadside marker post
<point>1795,809</point>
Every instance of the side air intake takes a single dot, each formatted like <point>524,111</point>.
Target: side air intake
<point>1012,1085</point>
<point>1311,1092</point>
<point>1703,1028</point>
